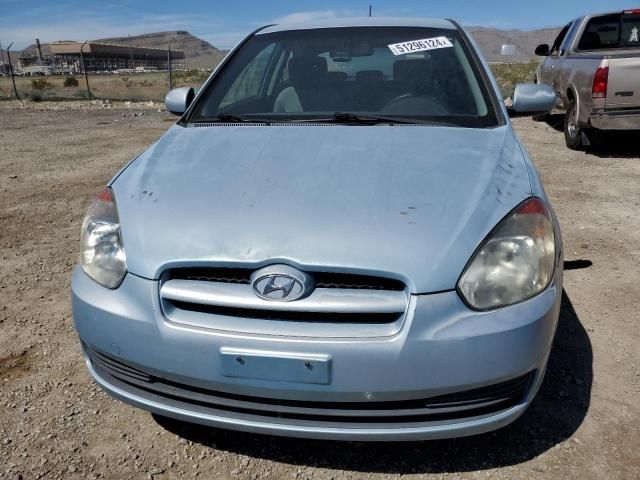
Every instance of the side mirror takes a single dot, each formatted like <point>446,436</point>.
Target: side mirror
<point>543,50</point>
<point>178,100</point>
<point>531,98</point>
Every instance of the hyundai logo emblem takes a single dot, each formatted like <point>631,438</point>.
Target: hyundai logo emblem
<point>281,283</point>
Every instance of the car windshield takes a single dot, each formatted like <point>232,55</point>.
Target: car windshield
<point>408,75</point>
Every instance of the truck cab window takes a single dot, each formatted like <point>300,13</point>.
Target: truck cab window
<point>568,38</point>
<point>555,48</point>
<point>601,33</point>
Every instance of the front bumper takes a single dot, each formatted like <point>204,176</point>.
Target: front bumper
<point>442,348</point>
<point>623,119</point>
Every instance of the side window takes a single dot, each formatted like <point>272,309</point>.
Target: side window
<point>601,33</point>
<point>630,30</point>
<point>555,48</point>
<point>249,83</point>
<point>564,46</point>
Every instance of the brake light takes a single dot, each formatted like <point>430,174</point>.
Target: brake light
<point>600,80</point>
<point>631,12</point>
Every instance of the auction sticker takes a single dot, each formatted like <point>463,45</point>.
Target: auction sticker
<point>420,45</point>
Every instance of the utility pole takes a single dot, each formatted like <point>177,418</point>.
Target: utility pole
<point>4,69</point>
<point>370,6</point>
<point>169,62</point>
<point>84,67</point>
<point>13,80</point>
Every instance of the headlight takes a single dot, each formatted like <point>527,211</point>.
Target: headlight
<point>515,262</point>
<point>102,255</point>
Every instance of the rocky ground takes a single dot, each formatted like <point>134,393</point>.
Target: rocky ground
<point>55,423</point>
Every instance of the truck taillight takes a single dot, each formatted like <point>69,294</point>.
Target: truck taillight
<point>600,80</point>
<point>631,12</point>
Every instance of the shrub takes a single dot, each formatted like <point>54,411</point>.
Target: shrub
<point>71,82</point>
<point>509,74</point>
<point>127,82</point>
<point>40,83</point>
<point>36,97</point>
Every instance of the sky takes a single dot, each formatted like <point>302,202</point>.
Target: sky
<point>225,22</point>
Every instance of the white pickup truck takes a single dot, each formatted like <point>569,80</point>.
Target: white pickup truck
<point>594,67</point>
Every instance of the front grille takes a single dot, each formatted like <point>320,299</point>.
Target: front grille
<point>289,316</point>
<point>463,404</point>
<point>221,275</point>
<point>224,299</point>
<point>352,281</point>
<point>322,279</point>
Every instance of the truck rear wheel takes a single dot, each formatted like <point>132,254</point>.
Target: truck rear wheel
<point>572,134</point>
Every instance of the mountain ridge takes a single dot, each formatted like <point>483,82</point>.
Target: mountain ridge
<point>198,53</point>
<point>201,54</point>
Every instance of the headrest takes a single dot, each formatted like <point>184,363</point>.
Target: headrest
<point>412,71</point>
<point>307,69</point>
<point>370,76</point>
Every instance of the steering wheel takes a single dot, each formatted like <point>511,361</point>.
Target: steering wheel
<point>410,104</point>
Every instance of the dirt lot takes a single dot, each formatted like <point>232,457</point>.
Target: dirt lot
<point>55,423</point>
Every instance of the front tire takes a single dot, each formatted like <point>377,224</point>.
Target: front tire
<point>572,134</point>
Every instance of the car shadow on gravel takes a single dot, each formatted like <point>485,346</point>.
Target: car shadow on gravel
<point>555,121</point>
<point>611,145</point>
<point>617,145</point>
<point>555,414</point>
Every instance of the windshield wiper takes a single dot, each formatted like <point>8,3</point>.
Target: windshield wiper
<point>231,118</point>
<point>337,117</point>
<point>349,117</point>
<point>366,119</point>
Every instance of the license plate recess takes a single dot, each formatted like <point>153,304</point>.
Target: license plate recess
<point>275,366</point>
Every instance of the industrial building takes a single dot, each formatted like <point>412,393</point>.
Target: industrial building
<point>67,56</point>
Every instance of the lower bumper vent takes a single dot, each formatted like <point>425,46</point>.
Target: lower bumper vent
<point>464,404</point>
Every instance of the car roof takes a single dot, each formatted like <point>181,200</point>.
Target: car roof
<point>361,22</point>
<point>604,14</point>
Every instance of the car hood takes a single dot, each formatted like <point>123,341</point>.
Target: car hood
<point>407,202</point>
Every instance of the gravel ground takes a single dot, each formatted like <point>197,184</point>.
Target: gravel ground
<point>55,423</point>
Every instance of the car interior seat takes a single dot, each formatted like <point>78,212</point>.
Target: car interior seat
<point>310,88</point>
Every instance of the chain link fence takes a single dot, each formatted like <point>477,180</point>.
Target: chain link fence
<point>149,86</point>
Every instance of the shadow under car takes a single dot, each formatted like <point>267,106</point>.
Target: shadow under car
<point>556,413</point>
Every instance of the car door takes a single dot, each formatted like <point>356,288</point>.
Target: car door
<point>563,67</point>
<point>548,71</point>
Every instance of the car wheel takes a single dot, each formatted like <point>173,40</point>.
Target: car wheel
<point>572,134</point>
